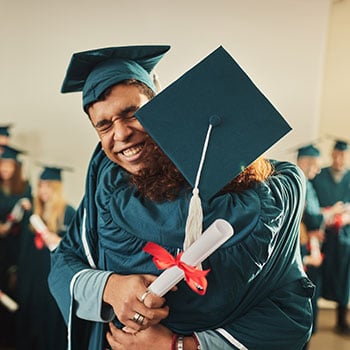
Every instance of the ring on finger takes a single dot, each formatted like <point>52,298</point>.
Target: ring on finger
<point>138,318</point>
<point>144,296</point>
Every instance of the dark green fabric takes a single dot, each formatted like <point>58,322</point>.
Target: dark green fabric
<point>336,265</point>
<point>216,91</point>
<point>9,252</point>
<point>312,217</point>
<point>308,151</point>
<point>96,70</point>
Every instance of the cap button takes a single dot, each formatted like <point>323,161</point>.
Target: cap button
<point>215,120</point>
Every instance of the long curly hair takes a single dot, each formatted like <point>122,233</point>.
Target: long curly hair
<point>160,180</point>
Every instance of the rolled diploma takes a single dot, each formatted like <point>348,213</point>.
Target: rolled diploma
<point>37,223</point>
<point>17,212</point>
<point>8,302</point>
<point>211,239</point>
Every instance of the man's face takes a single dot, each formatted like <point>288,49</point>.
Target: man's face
<point>338,159</point>
<point>121,134</point>
<point>310,166</point>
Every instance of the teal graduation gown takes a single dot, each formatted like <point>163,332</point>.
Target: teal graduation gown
<point>40,322</point>
<point>9,252</point>
<point>257,289</point>
<point>336,248</point>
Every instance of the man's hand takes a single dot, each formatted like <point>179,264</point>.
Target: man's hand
<point>124,294</point>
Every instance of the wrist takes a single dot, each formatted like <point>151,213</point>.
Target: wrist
<point>109,288</point>
<point>179,342</point>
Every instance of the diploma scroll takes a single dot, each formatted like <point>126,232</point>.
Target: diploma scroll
<point>211,239</point>
<point>37,223</point>
<point>8,302</point>
<point>40,228</point>
<point>17,212</point>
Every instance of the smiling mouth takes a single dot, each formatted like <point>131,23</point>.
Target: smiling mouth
<point>133,151</point>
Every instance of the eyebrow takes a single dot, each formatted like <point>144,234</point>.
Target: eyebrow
<point>124,113</point>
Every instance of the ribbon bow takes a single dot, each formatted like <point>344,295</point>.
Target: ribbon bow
<point>38,240</point>
<point>163,260</point>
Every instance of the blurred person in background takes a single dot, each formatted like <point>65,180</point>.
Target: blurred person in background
<point>40,323</point>
<point>15,200</point>
<point>332,186</point>
<point>313,223</point>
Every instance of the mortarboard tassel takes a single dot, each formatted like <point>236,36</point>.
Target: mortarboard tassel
<point>194,223</point>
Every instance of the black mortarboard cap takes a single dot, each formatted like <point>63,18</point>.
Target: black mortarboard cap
<point>216,91</point>
<point>9,152</point>
<point>308,151</point>
<point>341,145</point>
<point>93,71</point>
<point>4,130</point>
<point>53,173</point>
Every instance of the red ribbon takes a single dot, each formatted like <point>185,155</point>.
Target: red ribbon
<point>163,260</point>
<point>38,241</point>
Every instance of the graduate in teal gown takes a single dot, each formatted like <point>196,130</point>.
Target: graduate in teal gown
<point>258,296</point>
<point>313,224</point>
<point>40,323</point>
<point>15,200</point>
<point>333,185</point>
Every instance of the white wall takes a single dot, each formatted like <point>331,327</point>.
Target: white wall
<point>335,105</point>
<point>280,44</point>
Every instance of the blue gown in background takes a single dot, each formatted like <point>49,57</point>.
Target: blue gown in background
<point>336,264</point>
<point>257,289</point>
<point>313,220</point>
<point>40,323</point>
<point>9,252</point>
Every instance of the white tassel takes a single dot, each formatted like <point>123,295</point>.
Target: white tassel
<point>194,223</point>
<point>195,212</point>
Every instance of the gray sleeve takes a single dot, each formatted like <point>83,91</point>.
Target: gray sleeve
<point>210,340</point>
<point>88,292</point>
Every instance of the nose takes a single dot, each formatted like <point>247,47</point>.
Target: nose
<point>122,131</point>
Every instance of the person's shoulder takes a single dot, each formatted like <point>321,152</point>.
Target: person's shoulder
<point>287,170</point>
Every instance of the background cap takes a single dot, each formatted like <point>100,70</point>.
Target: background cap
<point>94,71</point>
<point>341,145</point>
<point>4,130</point>
<point>10,152</point>
<point>215,91</point>
<point>308,151</point>
<point>53,173</point>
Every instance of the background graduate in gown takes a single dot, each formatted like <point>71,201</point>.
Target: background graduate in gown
<point>332,185</point>
<point>40,323</point>
<point>15,199</point>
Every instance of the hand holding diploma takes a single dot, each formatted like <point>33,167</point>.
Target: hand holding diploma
<point>42,234</point>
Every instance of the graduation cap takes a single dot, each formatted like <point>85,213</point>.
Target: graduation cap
<point>9,152</point>
<point>4,130</point>
<point>341,145</point>
<point>93,71</point>
<point>308,151</point>
<point>53,173</point>
<point>212,123</point>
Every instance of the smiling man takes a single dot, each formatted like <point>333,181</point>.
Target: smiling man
<point>138,190</point>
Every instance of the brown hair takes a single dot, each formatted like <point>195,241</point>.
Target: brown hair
<point>160,180</point>
<point>52,212</point>
<point>17,184</point>
<point>143,88</point>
